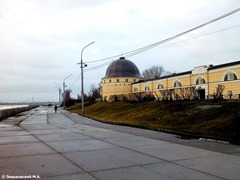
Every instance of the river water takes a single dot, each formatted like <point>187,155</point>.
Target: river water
<point>11,106</point>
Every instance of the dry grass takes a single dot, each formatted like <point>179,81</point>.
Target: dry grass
<point>220,119</point>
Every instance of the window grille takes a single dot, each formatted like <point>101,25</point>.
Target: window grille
<point>200,81</point>
<point>160,86</point>
<point>230,77</point>
<point>177,84</point>
<point>147,88</point>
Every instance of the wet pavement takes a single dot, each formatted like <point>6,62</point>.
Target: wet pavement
<point>47,145</point>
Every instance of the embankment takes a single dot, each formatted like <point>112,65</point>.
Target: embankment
<point>5,113</point>
<point>213,119</point>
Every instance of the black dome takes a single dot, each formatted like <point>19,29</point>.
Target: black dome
<point>122,68</point>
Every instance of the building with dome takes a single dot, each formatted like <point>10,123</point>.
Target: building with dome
<point>119,77</point>
<point>123,79</point>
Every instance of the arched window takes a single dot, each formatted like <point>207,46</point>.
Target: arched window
<point>160,86</point>
<point>200,80</point>
<point>177,84</point>
<point>230,76</point>
<point>135,89</point>
<point>147,88</point>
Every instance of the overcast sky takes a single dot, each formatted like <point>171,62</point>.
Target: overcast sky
<point>41,40</point>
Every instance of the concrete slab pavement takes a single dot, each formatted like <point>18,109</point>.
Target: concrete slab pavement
<point>63,145</point>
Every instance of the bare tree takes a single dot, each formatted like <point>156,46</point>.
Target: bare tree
<point>164,94</point>
<point>67,97</point>
<point>219,89</point>
<point>155,71</point>
<point>94,93</point>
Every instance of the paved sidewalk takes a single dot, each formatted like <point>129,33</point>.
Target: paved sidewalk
<point>62,145</point>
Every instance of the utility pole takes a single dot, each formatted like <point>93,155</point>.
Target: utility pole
<point>59,92</point>
<point>83,65</point>
<point>64,85</point>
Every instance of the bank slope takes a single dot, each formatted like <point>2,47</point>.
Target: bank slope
<point>213,119</point>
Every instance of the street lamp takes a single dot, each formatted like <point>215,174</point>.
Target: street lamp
<point>83,65</point>
<point>59,91</point>
<point>64,85</point>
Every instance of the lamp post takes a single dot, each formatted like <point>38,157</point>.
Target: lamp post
<point>83,65</point>
<point>64,85</point>
<point>59,92</point>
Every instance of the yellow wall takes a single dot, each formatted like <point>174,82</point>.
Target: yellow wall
<point>116,86</point>
<point>216,77</point>
<point>212,77</point>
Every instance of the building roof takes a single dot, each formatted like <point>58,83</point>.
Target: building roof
<point>189,72</point>
<point>223,65</point>
<point>122,68</point>
<point>165,77</point>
